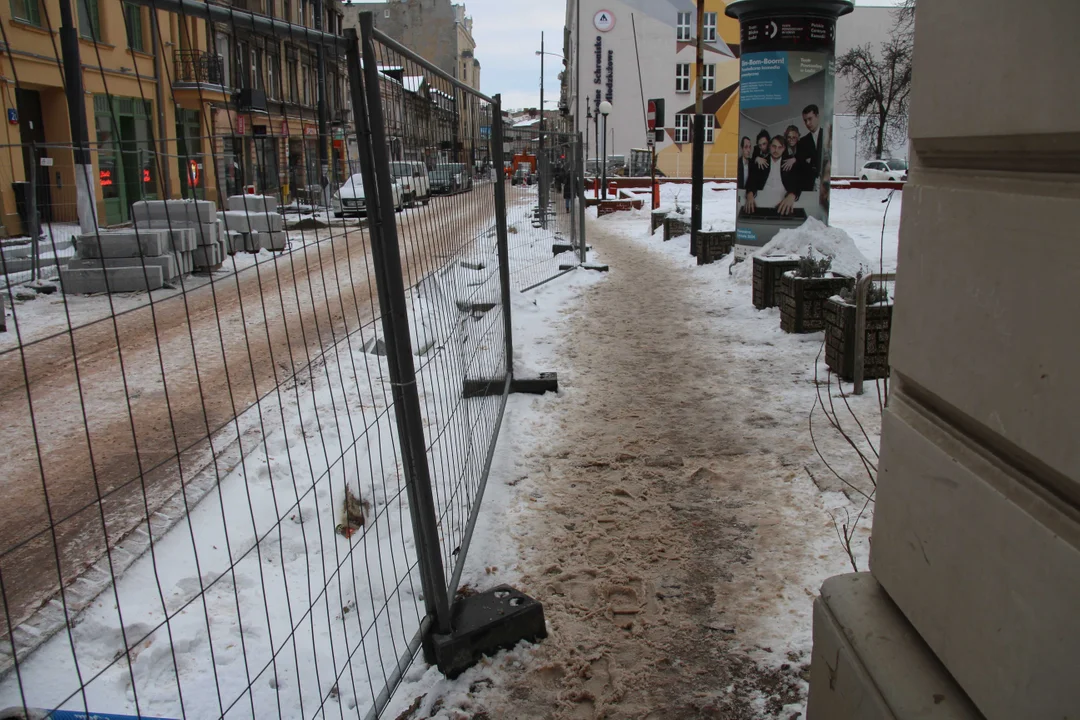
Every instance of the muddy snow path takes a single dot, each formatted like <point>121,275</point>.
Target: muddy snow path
<point>669,528</point>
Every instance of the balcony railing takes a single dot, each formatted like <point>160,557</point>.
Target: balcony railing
<point>198,66</point>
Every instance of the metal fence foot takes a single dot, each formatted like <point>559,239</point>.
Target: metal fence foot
<point>560,246</point>
<point>598,267</point>
<point>497,619</point>
<point>486,387</point>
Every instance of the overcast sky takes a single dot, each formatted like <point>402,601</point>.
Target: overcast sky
<point>507,35</point>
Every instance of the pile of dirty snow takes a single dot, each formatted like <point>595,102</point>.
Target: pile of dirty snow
<point>825,240</point>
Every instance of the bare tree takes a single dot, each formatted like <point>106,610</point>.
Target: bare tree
<point>881,82</point>
<point>904,21</point>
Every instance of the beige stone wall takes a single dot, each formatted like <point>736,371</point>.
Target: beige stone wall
<point>977,528</point>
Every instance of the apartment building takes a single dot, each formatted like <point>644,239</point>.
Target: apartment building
<point>437,30</point>
<point>440,32</point>
<point>176,106</point>
<point>603,43</point>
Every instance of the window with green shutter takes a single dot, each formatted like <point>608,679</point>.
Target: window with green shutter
<point>89,19</point>
<point>27,10</point>
<point>133,18</point>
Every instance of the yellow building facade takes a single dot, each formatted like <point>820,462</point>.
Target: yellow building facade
<point>175,106</point>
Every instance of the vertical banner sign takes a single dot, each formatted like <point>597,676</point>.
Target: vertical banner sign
<point>787,72</point>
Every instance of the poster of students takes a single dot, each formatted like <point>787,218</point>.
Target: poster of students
<point>785,130</point>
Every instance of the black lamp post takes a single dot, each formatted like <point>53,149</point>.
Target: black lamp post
<point>588,117</point>
<point>605,110</point>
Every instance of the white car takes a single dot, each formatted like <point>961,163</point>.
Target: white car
<point>884,170</point>
<point>414,180</point>
<point>350,199</point>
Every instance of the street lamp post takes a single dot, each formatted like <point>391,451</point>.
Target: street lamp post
<point>596,133</point>
<point>542,186</point>
<point>605,110</point>
<point>543,166</point>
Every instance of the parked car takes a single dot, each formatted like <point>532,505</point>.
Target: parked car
<point>522,176</point>
<point>442,182</point>
<point>414,180</point>
<point>350,200</point>
<point>891,170</point>
<point>461,174</point>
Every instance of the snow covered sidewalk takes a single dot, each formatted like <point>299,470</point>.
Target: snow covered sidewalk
<point>669,508</point>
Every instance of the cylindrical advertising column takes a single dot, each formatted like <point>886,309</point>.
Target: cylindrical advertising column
<point>787,69</point>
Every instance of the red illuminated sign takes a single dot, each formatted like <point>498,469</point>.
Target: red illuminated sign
<point>105,178</point>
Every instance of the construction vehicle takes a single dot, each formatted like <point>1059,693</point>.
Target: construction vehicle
<point>523,169</point>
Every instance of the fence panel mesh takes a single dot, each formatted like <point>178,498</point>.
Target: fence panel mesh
<point>209,513</point>
<point>542,209</point>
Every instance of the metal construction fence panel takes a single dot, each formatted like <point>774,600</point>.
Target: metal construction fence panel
<point>242,471</point>
<point>544,204</point>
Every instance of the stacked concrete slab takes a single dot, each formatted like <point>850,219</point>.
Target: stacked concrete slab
<point>195,231</point>
<point>20,258</point>
<point>253,222</point>
<point>129,260</point>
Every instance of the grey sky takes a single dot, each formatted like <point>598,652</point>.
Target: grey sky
<point>507,34</point>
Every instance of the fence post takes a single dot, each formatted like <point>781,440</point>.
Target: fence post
<point>503,237</point>
<point>579,173</point>
<point>32,216</point>
<point>861,290</point>
<point>570,185</point>
<point>386,257</point>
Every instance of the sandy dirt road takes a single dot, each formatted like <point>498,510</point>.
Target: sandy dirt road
<point>124,409</point>
<point>665,532</point>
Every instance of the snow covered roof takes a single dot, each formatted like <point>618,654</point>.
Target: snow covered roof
<point>413,83</point>
<point>527,123</point>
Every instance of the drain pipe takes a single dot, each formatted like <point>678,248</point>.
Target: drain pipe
<point>166,176</point>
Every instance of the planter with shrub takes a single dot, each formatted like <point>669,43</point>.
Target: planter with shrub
<point>767,273</point>
<point>840,333</point>
<point>676,225</point>
<point>804,291</point>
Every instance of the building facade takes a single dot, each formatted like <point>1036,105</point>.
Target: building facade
<point>601,61</point>
<point>436,30</point>
<point>175,106</point>
<point>442,124</point>
<point>604,41</point>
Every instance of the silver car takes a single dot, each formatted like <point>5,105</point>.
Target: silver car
<point>460,172</point>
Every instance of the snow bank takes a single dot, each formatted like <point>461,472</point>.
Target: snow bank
<point>825,240</point>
